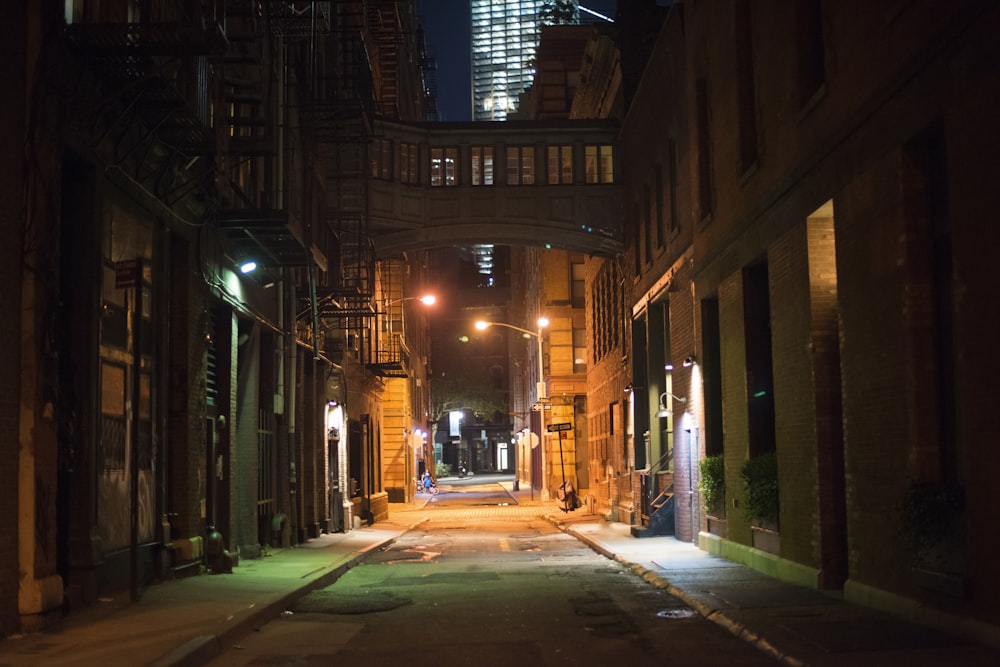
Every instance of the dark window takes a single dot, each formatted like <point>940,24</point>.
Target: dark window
<point>661,236</point>
<point>672,166</point>
<point>711,373</point>
<point>746,94</point>
<point>811,63</point>
<point>760,374</point>
<point>704,149</point>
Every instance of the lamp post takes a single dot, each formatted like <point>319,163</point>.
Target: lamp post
<point>426,299</point>
<point>543,322</point>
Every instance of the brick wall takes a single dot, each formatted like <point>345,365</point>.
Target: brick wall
<point>794,406</point>
<point>874,378</point>
<point>734,400</point>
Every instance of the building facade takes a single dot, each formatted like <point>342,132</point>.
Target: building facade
<point>201,352</point>
<point>808,293</point>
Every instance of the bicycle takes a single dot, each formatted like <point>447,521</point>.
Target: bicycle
<point>431,489</point>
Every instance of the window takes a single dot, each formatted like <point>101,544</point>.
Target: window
<point>579,350</point>
<point>672,166</point>
<point>746,95</point>
<point>382,159</point>
<point>599,164</point>
<point>482,165</point>
<point>408,172</point>
<point>443,166</point>
<point>520,165</point>
<point>704,149</point>
<point>811,52</point>
<point>759,368</point>
<point>647,223</point>
<point>659,203</point>
<point>560,165</point>
<point>636,238</point>
<point>578,284</point>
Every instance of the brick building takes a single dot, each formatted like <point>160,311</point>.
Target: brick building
<point>808,220</point>
<point>159,387</point>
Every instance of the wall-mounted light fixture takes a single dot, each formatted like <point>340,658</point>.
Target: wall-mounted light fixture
<point>664,411</point>
<point>690,360</point>
<point>248,266</point>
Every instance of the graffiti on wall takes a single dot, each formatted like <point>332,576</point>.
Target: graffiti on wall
<point>114,513</point>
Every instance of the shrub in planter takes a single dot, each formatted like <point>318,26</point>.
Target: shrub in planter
<point>760,482</point>
<point>712,483</point>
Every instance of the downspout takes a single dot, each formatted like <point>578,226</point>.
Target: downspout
<point>290,408</point>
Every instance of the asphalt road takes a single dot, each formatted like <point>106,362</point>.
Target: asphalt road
<point>484,582</point>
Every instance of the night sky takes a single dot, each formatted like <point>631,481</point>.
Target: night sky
<point>447,25</point>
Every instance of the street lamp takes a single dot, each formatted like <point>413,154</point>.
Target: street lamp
<point>543,322</point>
<point>426,299</point>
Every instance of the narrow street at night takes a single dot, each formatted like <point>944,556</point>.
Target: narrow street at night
<point>484,583</point>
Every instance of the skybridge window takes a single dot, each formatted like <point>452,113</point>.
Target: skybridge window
<point>482,165</point>
<point>381,156</point>
<point>444,165</point>
<point>520,165</point>
<point>560,160</point>
<point>408,170</point>
<point>599,164</point>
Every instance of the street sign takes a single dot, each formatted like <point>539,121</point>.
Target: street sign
<point>565,426</point>
<point>126,273</point>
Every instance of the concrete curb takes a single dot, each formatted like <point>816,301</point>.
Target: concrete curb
<point>716,616</point>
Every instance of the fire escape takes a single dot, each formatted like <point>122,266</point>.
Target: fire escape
<point>336,112</point>
<point>352,78</point>
<point>186,102</point>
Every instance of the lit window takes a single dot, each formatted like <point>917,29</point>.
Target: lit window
<point>520,165</point>
<point>560,163</point>
<point>443,166</point>
<point>599,164</point>
<point>482,165</point>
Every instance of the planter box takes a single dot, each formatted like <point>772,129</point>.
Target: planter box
<point>718,526</point>
<point>766,539</point>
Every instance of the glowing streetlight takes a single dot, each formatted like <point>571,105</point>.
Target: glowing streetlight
<point>543,322</point>
<point>426,299</point>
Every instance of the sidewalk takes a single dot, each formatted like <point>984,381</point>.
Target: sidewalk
<point>185,623</point>
<point>795,625</point>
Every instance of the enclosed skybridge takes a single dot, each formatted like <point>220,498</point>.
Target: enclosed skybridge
<point>540,183</point>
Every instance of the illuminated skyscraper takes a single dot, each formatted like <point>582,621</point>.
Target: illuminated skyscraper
<point>504,39</point>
